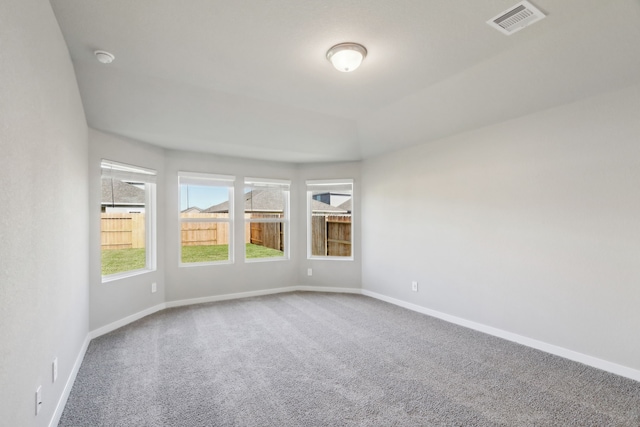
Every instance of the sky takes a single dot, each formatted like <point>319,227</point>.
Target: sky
<point>202,197</point>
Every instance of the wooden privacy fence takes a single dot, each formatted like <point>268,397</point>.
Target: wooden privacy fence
<point>126,231</point>
<point>204,233</point>
<point>267,234</point>
<point>122,230</point>
<point>331,235</point>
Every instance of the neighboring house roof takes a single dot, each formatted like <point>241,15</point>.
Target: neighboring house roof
<point>346,205</point>
<point>263,201</point>
<point>193,209</point>
<point>271,201</point>
<point>222,207</point>
<point>320,207</point>
<point>254,201</point>
<point>116,192</point>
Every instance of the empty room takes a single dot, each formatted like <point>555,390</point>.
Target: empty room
<point>319,213</point>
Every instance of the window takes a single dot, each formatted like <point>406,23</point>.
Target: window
<point>329,219</point>
<point>266,213</point>
<point>127,223</point>
<point>206,218</point>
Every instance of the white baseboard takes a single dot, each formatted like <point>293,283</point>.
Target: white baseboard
<point>179,303</point>
<point>604,365</point>
<point>326,289</point>
<point>225,297</point>
<point>594,362</point>
<point>126,320</point>
<point>239,295</point>
<point>62,402</point>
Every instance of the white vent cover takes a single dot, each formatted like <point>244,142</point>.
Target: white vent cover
<point>516,18</point>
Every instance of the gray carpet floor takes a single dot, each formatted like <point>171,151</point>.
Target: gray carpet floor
<point>318,359</point>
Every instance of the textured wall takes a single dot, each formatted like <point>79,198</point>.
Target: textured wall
<point>529,226</point>
<point>113,301</point>
<point>43,200</point>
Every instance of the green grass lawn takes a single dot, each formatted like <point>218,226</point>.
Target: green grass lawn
<point>205,253</point>
<point>220,253</point>
<point>256,251</point>
<point>121,260</point>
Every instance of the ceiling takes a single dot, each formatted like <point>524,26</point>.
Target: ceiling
<point>249,78</point>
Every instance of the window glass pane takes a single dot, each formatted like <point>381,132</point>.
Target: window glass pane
<point>266,213</point>
<point>330,224</point>
<point>204,201</point>
<point>123,225</point>
<point>206,218</point>
<point>204,241</point>
<point>266,240</point>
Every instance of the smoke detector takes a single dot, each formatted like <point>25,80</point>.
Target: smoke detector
<point>104,57</point>
<point>516,18</point>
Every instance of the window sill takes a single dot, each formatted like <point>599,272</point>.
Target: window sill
<point>126,274</point>
<point>268,259</point>
<point>330,258</point>
<point>203,264</point>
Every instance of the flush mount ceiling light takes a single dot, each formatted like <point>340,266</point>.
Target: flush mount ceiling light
<point>346,57</point>
<point>104,57</point>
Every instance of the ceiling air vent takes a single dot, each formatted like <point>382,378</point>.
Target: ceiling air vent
<point>516,18</point>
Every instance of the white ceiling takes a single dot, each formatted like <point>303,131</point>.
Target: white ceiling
<point>249,78</point>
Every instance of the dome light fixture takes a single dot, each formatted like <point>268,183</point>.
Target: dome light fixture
<point>346,57</point>
<point>104,57</point>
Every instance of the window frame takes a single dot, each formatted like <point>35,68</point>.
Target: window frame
<point>206,179</point>
<point>286,220</point>
<point>312,185</point>
<point>124,171</point>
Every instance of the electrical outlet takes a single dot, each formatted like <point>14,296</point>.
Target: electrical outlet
<point>54,369</point>
<point>38,399</point>
<point>154,287</point>
<point>414,286</point>
<point>309,272</point>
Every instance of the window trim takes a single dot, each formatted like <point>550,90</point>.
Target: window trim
<point>203,179</point>
<point>285,184</point>
<point>310,184</point>
<point>124,171</point>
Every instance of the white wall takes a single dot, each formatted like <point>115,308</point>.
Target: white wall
<point>115,300</point>
<point>44,222</point>
<point>531,226</point>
